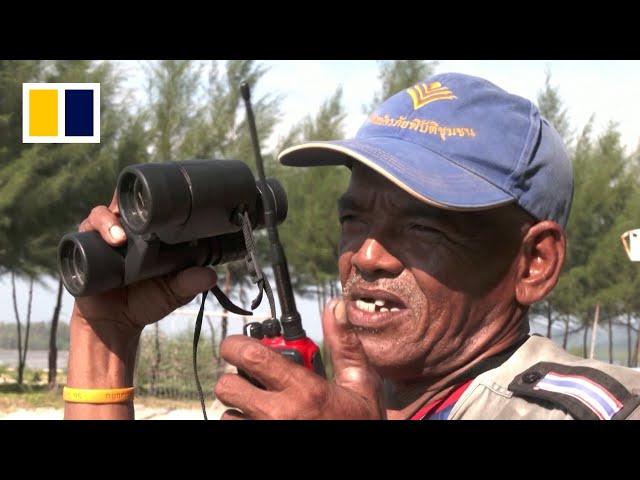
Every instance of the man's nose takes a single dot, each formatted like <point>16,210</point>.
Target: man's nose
<point>373,259</point>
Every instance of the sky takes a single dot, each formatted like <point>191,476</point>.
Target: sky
<point>608,89</point>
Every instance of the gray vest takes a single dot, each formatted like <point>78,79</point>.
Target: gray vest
<point>541,381</point>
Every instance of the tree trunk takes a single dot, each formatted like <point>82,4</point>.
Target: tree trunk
<point>224,322</point>
<point>18,325</point>
<point>319,299</point>
<point>584,341</point>
<point>214,349</point>
<point>637,352</point>
<point>610,342</point>
<point>323,298</point>
<point>25,348</point>
<point>214,346</point>
<point>549,322</point>
<point>334,289</point>
<point>242,295</point>
<point>53,347</point>
<point>565,338</point>
<point>629,337</point>
<point>594,332</point>
<point>155,366</point>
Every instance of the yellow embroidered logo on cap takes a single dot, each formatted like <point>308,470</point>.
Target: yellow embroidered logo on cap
<point>430,127</point>
<point>423,94</point>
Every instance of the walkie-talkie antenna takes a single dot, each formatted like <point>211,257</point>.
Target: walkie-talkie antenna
<point>291,321</point>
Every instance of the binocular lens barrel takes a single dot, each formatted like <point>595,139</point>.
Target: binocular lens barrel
<point>176,215</point>
<point>182,201</point>
<point>135,201</point>
<point>73,265</point>
<point>89,265</point>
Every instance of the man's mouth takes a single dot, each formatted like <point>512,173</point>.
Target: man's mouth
<point>373,309</point>
<point>371,305</point>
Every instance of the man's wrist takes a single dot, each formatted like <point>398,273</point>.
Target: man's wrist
<point>101,355</point>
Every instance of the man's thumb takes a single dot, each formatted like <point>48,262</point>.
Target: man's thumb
<point>350,364</point>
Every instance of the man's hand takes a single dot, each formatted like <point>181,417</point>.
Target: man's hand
<point>292,391</point>
<point>105,328</point>
<point>134,306</point>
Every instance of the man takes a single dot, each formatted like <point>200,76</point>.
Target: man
<point>452,227</point>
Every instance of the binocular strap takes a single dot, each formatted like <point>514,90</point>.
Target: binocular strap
<point>256,276</point>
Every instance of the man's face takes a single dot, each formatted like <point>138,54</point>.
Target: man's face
<point>427,289</point>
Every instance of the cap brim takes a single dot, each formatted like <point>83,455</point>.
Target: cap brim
<point>426,175</point>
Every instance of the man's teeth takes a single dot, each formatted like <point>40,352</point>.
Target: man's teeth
<point>366,306</point>
<point>372,306</point>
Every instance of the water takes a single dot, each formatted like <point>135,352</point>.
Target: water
<point>36,359</point>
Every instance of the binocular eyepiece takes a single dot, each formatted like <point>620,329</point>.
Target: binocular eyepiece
<point>175,215</point>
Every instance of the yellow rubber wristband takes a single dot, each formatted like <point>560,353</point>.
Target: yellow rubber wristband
<point>97,395</point>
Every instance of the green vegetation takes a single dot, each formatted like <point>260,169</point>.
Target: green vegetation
<point>606,203</point>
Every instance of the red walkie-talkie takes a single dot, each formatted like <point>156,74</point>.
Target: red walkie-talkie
<point>287,335</point>
<point>302,351</point>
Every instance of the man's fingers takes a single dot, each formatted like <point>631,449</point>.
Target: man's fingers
<point>268,367</point>
<point>154,299</point>
<point>106,223</point>
<point>234,391</point>
<point>85,226</point>
<point>233,414</point>
<point>349,360</point>
<point>192,281</point>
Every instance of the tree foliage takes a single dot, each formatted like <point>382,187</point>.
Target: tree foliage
<point>606,203</point>
<point>311,233</point>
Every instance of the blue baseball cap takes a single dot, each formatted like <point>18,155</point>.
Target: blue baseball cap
<point>458,142</point>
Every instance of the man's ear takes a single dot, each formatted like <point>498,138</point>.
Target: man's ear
<point>542,258</point>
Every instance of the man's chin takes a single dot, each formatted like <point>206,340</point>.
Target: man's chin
<point>382,353</point>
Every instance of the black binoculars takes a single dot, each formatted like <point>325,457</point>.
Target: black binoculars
<point>176,215</point>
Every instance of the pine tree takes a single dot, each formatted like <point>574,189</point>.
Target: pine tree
<point>46,189</point>
<point>223,133</point>
<point>596,269</point>
<point>194,118</point>
<point>173,112</point>
<point>311,233</point>
<point>552,108</point>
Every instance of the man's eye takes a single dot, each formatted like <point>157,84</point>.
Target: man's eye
<point>346,218</point>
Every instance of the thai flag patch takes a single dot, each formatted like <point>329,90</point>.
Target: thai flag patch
<point>594,396</point>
